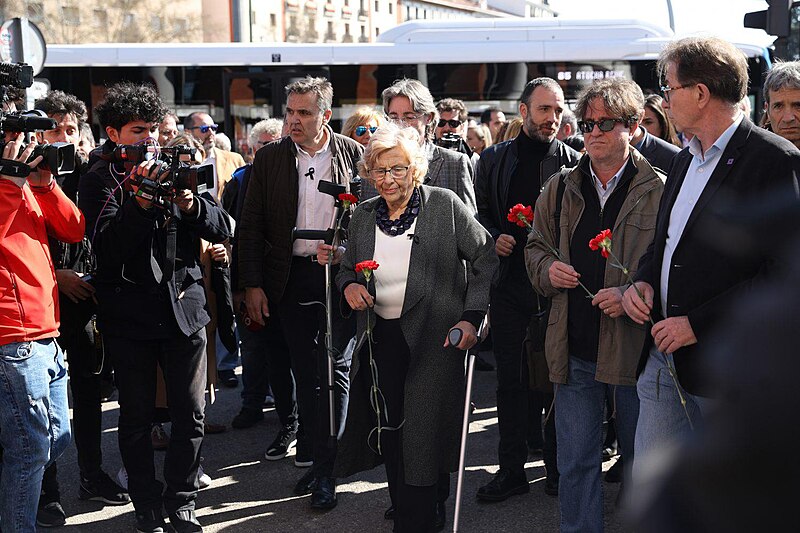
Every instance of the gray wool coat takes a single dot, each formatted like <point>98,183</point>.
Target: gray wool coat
<point>451,268</point>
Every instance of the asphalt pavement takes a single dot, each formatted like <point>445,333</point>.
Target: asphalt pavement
<point>251,494</point>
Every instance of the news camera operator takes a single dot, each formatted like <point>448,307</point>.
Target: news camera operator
<point>34,420</point>
<point>152,306</point>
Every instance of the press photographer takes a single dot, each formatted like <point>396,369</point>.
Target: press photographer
<point>152,306</point>
<point>34,421</point>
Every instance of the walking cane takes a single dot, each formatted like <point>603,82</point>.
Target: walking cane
<point>455,337</point>
<point>329,236</point>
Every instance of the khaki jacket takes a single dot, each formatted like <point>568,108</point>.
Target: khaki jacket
<point>621,339</point>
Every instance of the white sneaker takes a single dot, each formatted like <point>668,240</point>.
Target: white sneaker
<point>203,479</point>
<point>122,478</point>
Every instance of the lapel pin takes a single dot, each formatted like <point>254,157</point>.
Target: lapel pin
<point>730,161</point>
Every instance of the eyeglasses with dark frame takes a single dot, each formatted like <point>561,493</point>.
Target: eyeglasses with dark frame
<point>665,89</point>
<point>205,127</point>
<point>453,123</point>
<point>361,130</point>
<point>605,125</point>
<point>406,118</point>
<point>378,175</point>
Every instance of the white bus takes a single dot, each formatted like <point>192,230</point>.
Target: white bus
<point>484,62</point>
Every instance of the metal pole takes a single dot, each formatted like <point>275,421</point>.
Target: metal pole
<point>671,16</point>
<point>329,346</point>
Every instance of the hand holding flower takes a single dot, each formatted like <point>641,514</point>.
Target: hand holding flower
<point>327,251</point>
<point>637,308</point>
<point>609,301</point>
<point>673,333</point>
<point>563,276</point>
<point>357,296</point>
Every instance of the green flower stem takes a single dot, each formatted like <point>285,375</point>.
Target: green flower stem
<point>553,251</point>
<point>618,264</point>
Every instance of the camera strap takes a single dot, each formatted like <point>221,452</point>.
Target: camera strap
<point>14,169</point>
<point>166,273</point>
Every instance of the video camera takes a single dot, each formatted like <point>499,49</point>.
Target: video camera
<point>58,158</point>
<point>454,141</point>
<point>176,170</point>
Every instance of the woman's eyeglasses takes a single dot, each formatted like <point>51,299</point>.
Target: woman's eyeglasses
<point>205,127</point>
<point>361,130</point>
<point>378,175</point>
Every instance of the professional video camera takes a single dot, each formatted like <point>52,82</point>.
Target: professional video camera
<point>58,158</point>
<point>454,141</point>
<point>176,170</point>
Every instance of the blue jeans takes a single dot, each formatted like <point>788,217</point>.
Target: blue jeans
<point>662,420</point>
<point>34,426</point>
<point>580,405</point>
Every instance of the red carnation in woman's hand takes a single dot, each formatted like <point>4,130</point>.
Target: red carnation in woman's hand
<point>602,242</point>
<point>348,199</point>
<point>521,215</point>
<point>367,267</point>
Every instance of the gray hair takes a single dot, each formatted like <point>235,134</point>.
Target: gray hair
<point>319,86</point>
<point>271,126</point>
<point>783,75</point>
<point>388,137</point>
<point>222,141</point>
<point>419,96</point>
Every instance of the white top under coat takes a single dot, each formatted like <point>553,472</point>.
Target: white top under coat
<point>315,210</point>
<point>393,254</point>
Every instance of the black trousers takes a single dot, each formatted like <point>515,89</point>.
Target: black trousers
<point>77,340</point>
<point>303,328</point>
<point>266,362</point>
<point>415,506</point>
<point>183,361</point>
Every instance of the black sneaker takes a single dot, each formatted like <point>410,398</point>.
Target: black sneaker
<point>303,459</point>
<point>150,522</point>
<point>185,521</point>
<point>247,418</point>
<point>103,489</point>
<point>285,441</point>
<point>228,378</point>
<point>51,515</point>
<point>504,485</point>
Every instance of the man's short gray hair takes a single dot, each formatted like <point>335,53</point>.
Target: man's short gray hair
<point>319,86</point>
<point>419,96</point>
<point>271,126</point>
<point>783,75</point>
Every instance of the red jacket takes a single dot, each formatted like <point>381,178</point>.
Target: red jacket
<point>28,291</point>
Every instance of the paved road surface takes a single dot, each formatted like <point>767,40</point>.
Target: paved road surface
<point>250,494</point>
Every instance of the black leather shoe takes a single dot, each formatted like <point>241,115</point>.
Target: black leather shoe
<point>247,418</point>
<point>306,484</point>
<point>504,485</point>
<point>185,521</point>
<point>551,486</point>
<point>324,496</point>
<point>441,516</point>
<point>389,514</point>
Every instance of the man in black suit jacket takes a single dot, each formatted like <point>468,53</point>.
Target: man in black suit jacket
<point>714,236</point>
<point>151,305</point>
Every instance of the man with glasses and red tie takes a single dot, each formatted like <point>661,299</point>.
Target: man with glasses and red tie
<point>408,103</point>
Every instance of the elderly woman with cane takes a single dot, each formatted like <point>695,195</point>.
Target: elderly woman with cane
<point>436,263</point>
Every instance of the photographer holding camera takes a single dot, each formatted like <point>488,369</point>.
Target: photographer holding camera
<point>34,421</point>
<point>152,306</point>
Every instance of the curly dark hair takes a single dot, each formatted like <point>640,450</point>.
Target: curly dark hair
<point>127,102</point>
<point>61,103</point>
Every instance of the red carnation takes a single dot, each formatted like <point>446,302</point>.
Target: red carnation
<point>521,215</point>
<point>602,242</point>
<point>367,267</point>
<point>348,199</point>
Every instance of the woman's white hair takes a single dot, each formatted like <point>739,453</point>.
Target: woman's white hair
<point>388,137</point>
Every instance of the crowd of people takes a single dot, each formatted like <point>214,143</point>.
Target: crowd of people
<point>607,242</point>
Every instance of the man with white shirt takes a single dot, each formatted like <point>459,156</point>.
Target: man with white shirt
<point>712,232</point>
<point>592,350</point>
<point>278,274</point>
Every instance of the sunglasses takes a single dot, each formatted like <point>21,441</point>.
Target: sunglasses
<point>205,127</point>
<point>361,130</point>
<point>605,125</point>
<point>453,123</point>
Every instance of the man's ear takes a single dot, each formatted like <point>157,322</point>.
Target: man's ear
<point>326,116</point>
<point>113,134</point>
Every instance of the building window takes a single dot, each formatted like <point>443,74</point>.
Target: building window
<point>377,32</point>
<point>347,29</point>
<point>179,25</point>
<point>155,23</point>
<point>100,18</point>
<point>273,20</point>
<point>71,15</point>
<point>128,19</point>
<point>390,8</point>
<point>377,5</point>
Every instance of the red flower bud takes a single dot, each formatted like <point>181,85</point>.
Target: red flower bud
<point>521,215</point>
<point>348,199</point>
